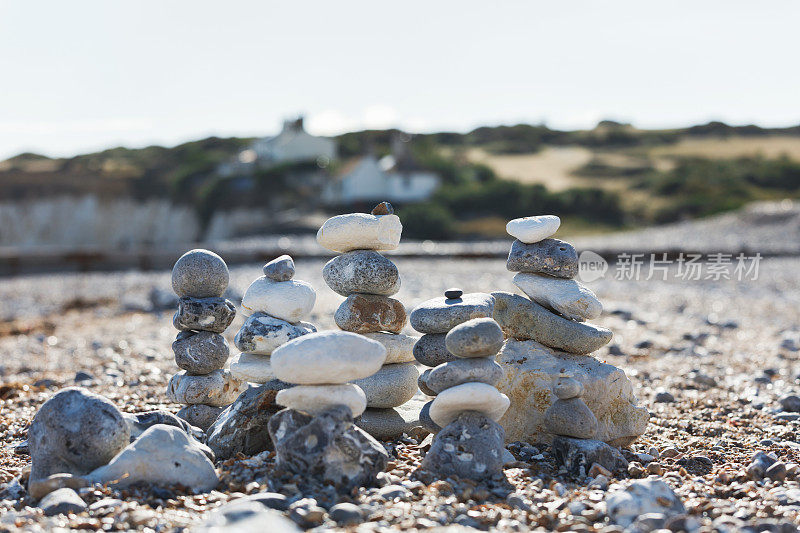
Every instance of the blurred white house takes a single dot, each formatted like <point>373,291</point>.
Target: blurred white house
<point>396,177</point>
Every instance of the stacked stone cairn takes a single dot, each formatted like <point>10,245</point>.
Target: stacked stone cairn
<point>368,280</point>
<point>200,278</point>
<point>275,305</point>
<point>315,434</point>
<point>547,356</point>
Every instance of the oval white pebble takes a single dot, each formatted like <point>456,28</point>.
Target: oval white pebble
<point>399,347</point>
<point>327,357</point>
<point>253,368</point>
<point>314,399</point>
<point>468,397</point>
<point>565,296</point>
<point>360,231</point>
<point>289,300</point>
<point>533,229</point>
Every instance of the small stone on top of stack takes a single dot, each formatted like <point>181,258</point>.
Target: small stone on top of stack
<point>200,278</point>
<point>368,280</point>
<point>548,347</point>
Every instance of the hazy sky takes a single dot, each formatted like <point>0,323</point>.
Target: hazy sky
<point>81,76</point>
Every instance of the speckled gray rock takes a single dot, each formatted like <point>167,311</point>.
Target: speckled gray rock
<point>370,313</point>
<point>327,446</point>
<point>430,350</point>
<point>364,271</point>
<point>571,418</point>
<point>200,352</point>
<point>580,454</point>
<point>206,314</point>
<point>550,256</point>
<point>162,456</point>
<point>479,337</point>
<point>280,269</point>
<point>469,447</point>
<point>199,415</point>
<point>440,315</point>
<point>141,422</point>
<point>523,319</point>
<point>393,423</point>
<point>242,427</point>
<point>426,420</point>
<point>74,432</point>
<point>62,501</point>
<point>201,274</point>
<point>422,383</point>
<point>390,386</point>
<point>476,369</point>
<point>217,388</point>
<point>262,333</point>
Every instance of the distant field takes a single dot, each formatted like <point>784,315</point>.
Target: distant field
<point>725,148</point>
<point>553,166</point>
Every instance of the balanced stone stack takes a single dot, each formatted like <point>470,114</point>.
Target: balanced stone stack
<point>468,406</point>
<point>200,278</point>
<point>275,304</point>
<point>556,387</point>
<point>368,280</point>
<point>435,318</point>
<point>315,434</point>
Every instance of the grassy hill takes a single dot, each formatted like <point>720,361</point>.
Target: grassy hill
<point>611,176</point>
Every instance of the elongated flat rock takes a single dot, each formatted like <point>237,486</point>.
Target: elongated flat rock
<point>360,231</point>
<point>289,300</point>
<point>370,313</point>
<point>523,319</point>
<point>440,315</point>
<point>472,370</point>
<point>327,357</point>
<point>566,297</point>
<point>362,271</point>
<point>207,314</point>
<point>468,397</point>
<point>253,368</point>
<point>216,389</point>
<point>550,256</point>
<point>391,386</point>
<point>533,229</point>
<point>314,399</point>
<point>399,347</point>
<point>262,333</point>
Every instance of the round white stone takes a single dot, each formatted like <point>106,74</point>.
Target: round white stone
<point>565,296</point>
<point>399,348</point>
<point>360,231</point>
<point>327,357</point>
<point>314,399</point>
<point>533,229</point>
<point>468,397</point>
<point>254,368</point>
<point>289,300</point>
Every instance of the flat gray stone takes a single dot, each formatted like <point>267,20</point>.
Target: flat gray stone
<point>390,386</point>
<point>370,313</point>
<point>217,388</point>
<point>571,418</point>
<point>577,454</point>
<point>62,501</point>
<point>364,271</point>
<point>206,314</point>
<point>479,337</point>
<point>553,257</point>
<point>74,432</point>
<point>262,333</point>
<point>523,319</point>
<point>280,269</point>
<point>431,350</point>
<point>141,422</point>
<point>425,419</point>
<point>476,369</point>
<point>440,315</point>
<point>388,424</point>
<point>242,427</point>
<point>199,415</point>
<point>200,352</point>
<point>201,274</point>
<point>422,383</point>
<point>469,447</point>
